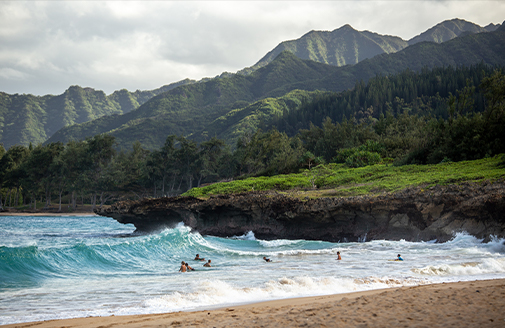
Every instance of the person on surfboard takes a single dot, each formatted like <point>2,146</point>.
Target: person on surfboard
<point>198,258</point>
<point>399,258</point>
<point>188,267</point>
<point>267,260</point>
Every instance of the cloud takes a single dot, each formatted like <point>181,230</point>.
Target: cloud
<point>46,46</point>
<point>12,74</point>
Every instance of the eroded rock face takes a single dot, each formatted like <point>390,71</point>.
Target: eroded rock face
<point>413,214</point>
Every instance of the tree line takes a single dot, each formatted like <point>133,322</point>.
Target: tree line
<point>466,122</point>
<point>424,93</point>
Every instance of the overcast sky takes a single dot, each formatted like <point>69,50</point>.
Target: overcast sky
<point>47,46</point>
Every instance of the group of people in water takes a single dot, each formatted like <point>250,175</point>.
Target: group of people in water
<point>185,267</point>
<point>398,258</point>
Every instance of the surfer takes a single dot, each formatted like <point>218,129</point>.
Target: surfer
<point>188,267</point>
<point>207,264</point>
<point>183,267</point>
<point>399,258</point>
<point>339,257</point>
<point>198,258</point>
<point>267,260</point>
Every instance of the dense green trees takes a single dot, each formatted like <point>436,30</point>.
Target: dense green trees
<point>267,153</point>
<point>10,174</point>
<point>467,122</point>
<point>451,113</point>
<point>424,93</point>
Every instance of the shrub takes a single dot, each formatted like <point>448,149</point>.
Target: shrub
<point>362,158</point>
<point>364,155</point>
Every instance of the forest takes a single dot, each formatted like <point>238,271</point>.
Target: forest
<point>427,117</point>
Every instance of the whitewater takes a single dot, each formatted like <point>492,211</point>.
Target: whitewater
<point>80,266</point>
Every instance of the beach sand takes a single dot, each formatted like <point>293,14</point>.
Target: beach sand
<point>462,304</point>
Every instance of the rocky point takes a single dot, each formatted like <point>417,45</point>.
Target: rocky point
<point>414,214</point>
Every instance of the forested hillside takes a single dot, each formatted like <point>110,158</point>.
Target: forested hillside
<point>187,110</point>
<point>209,109</point>
<point>487,48</point>
<point>455,114</point>
<point>442,114</point>
<point>246,121</point>
<point>423,93</point>
<point>26,119</point>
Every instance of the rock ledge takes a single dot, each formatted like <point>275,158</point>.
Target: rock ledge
<point>414,214</point>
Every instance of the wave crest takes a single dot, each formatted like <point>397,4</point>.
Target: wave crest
<point>461,269</point>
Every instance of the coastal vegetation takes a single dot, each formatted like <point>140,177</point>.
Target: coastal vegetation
<point>339,180</point>
<point>359,154</point>
<point>383,124</point>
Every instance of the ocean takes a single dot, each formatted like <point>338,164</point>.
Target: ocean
<point>79,266</point>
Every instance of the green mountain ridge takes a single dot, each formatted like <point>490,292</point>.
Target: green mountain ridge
<point>470,50</point>
<point>340,47</point>
<point>347,46</point>
<point>247,120</point>
<point>26,119</point>
<point>188,109</point>
<point>210,109</point>
<point>450,29</point>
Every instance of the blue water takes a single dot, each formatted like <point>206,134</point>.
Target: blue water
<point>78,266</point>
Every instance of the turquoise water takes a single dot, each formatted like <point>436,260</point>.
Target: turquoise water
<point>65,267</point>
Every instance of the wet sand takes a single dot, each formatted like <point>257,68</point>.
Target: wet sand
<point>462,304</point>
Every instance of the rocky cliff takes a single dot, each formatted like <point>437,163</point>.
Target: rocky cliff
<point>413,214</point>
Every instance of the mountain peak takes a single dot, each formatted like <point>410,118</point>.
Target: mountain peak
<point>502,27</point>
<point>340,47</point>
<point>447,30</point>
<point>346,27</point>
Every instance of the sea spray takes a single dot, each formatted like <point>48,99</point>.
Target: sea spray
<point>466,269</point>
<point>63,267</point>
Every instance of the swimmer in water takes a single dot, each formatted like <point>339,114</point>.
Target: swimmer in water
<point>188,267</point>
<point>399,258</point>
<point>183,267</point>
<point>207,264</point>
<point>339,257</point>
<point>267,260</point>
<point>198,258</point>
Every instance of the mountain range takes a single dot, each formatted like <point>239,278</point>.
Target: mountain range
<point>231,104</point>
<point>26,118</point>
<point>347,46</point>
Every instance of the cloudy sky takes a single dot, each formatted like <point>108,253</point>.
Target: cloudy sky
<point>47,46</point>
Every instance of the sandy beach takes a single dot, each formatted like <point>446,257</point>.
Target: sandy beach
<point>462,304</point>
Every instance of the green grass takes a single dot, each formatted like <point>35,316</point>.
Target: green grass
<point>336,180</point>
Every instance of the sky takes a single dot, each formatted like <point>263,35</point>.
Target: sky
<point>48,46</point>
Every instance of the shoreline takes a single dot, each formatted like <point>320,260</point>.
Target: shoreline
<point>466,304</point>
<point>48,214</point>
